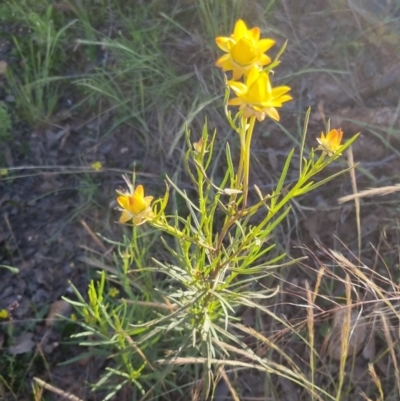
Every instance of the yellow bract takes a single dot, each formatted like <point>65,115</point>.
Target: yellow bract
<point>198,146</point>
<point>256,97</point>
<point>134,205</point>
<point>331,142</point>
<point>244,50</point>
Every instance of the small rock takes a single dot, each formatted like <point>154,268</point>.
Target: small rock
<point>60,307</point>
<point>23,344</point>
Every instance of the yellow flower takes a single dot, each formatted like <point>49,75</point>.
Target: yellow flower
<point>4,314</point>
<point>331,142</point>
<point>96,166</point>
<point>73,317</point>
<point>244,49</point>
<point>256,97</point>
<point>3,172</point>
<point>113,292</point>
<point>134,205</point>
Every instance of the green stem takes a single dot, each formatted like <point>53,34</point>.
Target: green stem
<point>246,161</point>
<point>242,137</point>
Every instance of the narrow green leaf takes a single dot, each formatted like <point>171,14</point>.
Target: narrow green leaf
<point>303,140</point>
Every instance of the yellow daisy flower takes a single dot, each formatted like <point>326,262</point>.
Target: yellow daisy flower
<point>256,97</point>
<point>331,142</point>
<point>134,205</point>
<point>244,50</point>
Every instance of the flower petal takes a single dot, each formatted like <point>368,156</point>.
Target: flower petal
<point>254,73</point>
<point>279,91</point>
<point>139,191</point>
<point>238,87</point>
<point>285,98</point>
<point>125,217</point>
<point>222,42</point>
<point>255,33</point>
<point>240,30</point>
<point>123,201</point>
<point>273,113</point>
<point>264,44</point>
<point>137,220</point>
<point>148,200</point>
<point>236,101</point>
<point>222,60</point>
<point>237,72</point>
<point>264,60</point>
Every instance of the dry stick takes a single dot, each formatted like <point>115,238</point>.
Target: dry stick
<point>356,200</point>
<point>55,390</point>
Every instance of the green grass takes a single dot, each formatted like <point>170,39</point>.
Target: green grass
<point>5,122</point>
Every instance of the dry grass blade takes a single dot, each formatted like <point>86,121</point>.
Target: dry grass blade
<point>55,390</point>
<point>293,373</point>
<point>345,337</point>
<point>93,235</point>
<point>320,275</point>
<point>376,380</point>
<point>367,282</point>
<point>391,347</point>
<point>310,324</point>
<point>229,385</point>
<point>370,193</point>
<point>137,349</point>
<point>201,361</point>
<point>356,200</point>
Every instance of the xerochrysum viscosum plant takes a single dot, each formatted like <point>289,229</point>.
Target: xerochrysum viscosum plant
<point>211,271</point>
<point>212,267</point>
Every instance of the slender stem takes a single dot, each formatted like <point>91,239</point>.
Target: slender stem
<point>242,137</point>
<point>246,161</point>
<point>241,181</point>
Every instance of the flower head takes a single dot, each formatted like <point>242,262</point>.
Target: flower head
<point>113,292</point>
<point>97,166</point>
<point>256,97</point>
<point>244,50</point>
<point>134,205</point>
<point>331,142</point>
